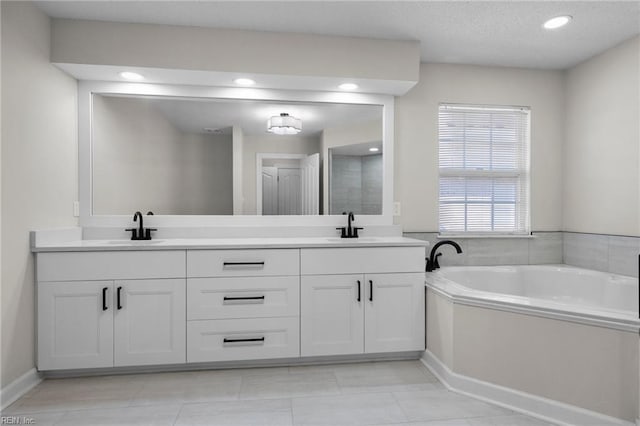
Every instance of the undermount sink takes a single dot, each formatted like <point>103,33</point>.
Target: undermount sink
<point>353,240</point>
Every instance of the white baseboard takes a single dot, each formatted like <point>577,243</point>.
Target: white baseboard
<point>526,403</point>
<point>14,390</point>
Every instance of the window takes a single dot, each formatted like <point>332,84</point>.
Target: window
<point>484,169</point>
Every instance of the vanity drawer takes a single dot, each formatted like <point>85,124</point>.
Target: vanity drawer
<point>242,297</point>
<point>242,339</point>
<point>110,265</point>
<point>243,263</point>
<point>323,261</point>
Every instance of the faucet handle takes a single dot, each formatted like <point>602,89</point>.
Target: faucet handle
<point>355,231</point>
<point>147,235</point>
<point>343,232</point>
<point>134,233</point>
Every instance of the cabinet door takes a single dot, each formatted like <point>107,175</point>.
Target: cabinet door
<point>75,325</point>
<point>150,322</point>
<point>331,316</point>
<point>394,312</point>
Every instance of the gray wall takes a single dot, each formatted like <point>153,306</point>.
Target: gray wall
<point>39,169</point>
<point>372,184</point>
<point>143,162</point>
<point>346,184</point>
<point>356,184</point>
<point>352,134</point>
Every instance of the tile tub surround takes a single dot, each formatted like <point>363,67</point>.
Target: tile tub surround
<point>541,248</point>
<point>607,253</point>
<point>388,393</point>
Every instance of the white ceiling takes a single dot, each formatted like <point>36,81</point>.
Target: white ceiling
<point>193,116</point>
<point>501,33</point>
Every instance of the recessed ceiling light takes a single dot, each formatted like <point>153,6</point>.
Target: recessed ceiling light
<point>244,82</point>
<point>374,149</point>
<point>348,86</point>
<point>128,75</point>
<point>557,22</point>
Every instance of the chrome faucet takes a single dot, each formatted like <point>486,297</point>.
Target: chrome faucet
<point>140,233</point>
<point>432,260</point>
<point>349,231</point>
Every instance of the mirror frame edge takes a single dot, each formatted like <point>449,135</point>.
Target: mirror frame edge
<point>86,90</point>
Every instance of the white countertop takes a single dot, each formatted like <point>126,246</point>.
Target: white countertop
<point>226,243</point>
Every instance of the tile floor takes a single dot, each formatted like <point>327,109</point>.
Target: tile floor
<point>372,393</point>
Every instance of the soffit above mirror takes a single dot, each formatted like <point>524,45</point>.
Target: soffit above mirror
<point>92,50</point>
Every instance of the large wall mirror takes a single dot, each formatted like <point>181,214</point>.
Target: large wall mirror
<point>187,152</point>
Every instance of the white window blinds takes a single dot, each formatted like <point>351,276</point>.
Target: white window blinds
<point>484,169</point>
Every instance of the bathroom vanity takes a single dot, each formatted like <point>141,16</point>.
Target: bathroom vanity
<point>219,284</point>
<point>121,304</point>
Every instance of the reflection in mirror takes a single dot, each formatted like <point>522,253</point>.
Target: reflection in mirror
<point>356,178</point>
<point>205,156</point>
<point>290,184</point>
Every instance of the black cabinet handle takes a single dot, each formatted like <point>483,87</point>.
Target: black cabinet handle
<point>243,300</point>
<point>104,298</point>
<point>119,292</point>
<point>243,297</point>
<point>243,265</point>
<point>370,290</point>
<point>359,291</point>
<point>257,340</point>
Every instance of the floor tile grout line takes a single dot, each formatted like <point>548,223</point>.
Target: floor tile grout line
<point>291,411</point>
<point>175,419</point>
<point>404,412</point>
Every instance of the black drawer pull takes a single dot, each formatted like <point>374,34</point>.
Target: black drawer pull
<point>104,298</point>
<point>370,291</point>
<point>243,297</point>
<point>119,301</point>
<point>243,300</point>
<point>243,265</point>
<point>359,298</point>
<point>247,340</point>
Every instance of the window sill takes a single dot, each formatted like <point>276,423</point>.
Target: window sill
<point>480,236</point>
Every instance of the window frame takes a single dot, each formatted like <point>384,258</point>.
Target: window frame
<point>522,174</point>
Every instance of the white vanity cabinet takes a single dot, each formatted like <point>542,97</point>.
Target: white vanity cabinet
<point>243,304</point>
<point>106,309</point>
<point>362,300</point>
